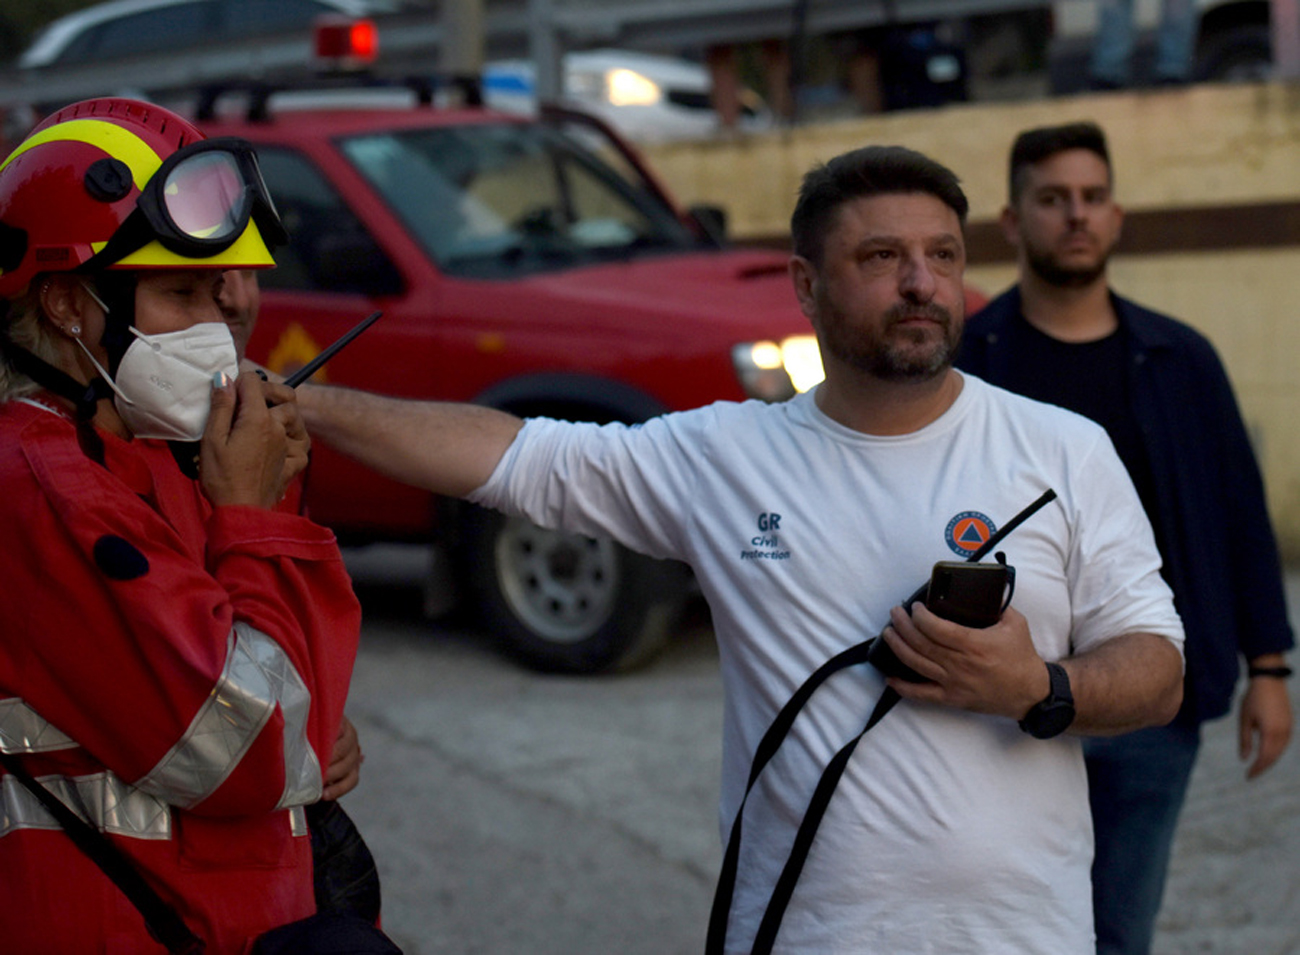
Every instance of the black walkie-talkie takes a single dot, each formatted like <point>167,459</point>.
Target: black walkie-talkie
<point>186,453</point>
<point>966,592</point>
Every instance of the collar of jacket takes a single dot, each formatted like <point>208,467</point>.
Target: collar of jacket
<point>1146,335</point>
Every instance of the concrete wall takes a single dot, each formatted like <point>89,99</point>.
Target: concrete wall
<point>1186,158</point>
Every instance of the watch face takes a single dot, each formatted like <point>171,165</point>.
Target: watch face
<point>1050,718</point>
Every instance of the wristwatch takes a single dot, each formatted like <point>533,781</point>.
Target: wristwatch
<point>1052,715</point>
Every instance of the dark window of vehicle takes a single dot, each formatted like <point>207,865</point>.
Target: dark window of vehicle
<point>245,17</point>
<point>498,200</point>
<point>80,48</point>
<point>186,24</point>
<point>329,249</point>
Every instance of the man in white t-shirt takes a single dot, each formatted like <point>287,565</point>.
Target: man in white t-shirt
<point>960,824</point>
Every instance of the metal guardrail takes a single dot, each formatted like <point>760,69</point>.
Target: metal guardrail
<point>405,40</point>
<point>670,24</point>
<point>411,42</point>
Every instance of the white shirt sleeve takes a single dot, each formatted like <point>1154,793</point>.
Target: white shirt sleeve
<point>628,482</point>
<point>1113,563</point>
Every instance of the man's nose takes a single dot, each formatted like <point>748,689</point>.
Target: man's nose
<point>916,280</point>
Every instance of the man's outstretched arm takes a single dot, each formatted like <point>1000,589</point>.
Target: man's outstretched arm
<point>444,447</point>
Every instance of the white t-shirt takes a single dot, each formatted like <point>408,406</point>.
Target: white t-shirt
<point>950,832</point>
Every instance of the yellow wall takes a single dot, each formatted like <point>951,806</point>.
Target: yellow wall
<point>1202,146</point>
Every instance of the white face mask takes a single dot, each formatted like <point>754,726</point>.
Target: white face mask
<point>164,382</point>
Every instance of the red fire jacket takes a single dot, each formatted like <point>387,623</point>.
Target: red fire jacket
<point>177,674</point>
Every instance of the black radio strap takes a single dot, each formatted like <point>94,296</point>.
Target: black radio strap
<point>771,742</point>
<point>161,919</point>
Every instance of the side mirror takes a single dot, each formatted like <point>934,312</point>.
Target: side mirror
<point>712,223</point>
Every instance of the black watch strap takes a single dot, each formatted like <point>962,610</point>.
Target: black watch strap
<point>1052,715</point>
<point>1279,673</point>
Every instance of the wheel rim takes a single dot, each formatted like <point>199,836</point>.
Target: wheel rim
<point>560,586</point>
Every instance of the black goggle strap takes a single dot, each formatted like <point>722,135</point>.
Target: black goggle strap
<point>136,231</point>
<point>132,235</point>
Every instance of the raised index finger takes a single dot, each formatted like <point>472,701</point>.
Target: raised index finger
<point>222,409</point>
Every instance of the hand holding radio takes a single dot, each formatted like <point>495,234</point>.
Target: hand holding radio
<point>243,448</point>
<point>964,589</point>
<point>995,670</point>
<point>957,642</point>
<point>973,595</point>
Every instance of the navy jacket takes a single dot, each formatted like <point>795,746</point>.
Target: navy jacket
<point>1221,558</point>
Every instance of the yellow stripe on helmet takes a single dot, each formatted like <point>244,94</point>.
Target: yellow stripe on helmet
<point>118,142</point>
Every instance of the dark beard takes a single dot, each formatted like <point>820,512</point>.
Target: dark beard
<point>886,361</point>
<point>1045,266</point>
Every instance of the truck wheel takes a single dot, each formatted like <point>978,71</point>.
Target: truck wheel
<point>564,603</point>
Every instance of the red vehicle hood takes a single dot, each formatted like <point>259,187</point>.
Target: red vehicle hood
<point>747,289</point>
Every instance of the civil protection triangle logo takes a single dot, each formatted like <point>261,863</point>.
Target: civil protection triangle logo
<point>968,531</point>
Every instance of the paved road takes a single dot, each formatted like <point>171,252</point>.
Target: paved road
<point>513,813</point>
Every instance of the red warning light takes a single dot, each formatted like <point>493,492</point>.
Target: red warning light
<point>345,41</point>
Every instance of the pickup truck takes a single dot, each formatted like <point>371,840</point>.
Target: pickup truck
<point>532,264</point>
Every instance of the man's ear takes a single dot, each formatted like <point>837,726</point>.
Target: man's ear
<point>804,274</point>
<point>1009,219</point>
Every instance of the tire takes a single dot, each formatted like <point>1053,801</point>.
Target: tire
<point>562,603</point>
<point>1241,54</point>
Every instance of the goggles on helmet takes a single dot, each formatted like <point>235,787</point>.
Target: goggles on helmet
<point>198,204</point>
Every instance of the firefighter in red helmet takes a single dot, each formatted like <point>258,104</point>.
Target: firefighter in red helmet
<point>176,649</point>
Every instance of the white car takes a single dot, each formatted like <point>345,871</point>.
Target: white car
<point>131,27</point>
<point>644,96</point>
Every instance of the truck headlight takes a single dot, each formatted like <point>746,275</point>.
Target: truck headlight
<point>775,371</point>
<point>630,88</point>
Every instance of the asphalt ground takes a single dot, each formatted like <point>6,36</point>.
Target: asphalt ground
<point>516,813</point>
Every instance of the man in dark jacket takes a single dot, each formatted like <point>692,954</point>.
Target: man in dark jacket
<point>1062,336</point>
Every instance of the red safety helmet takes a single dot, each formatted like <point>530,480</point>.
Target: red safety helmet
<point>120,184</point>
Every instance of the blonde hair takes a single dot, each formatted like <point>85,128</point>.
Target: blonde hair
<point>22,323</point>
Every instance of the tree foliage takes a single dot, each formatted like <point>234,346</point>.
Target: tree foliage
<point>20,19</point>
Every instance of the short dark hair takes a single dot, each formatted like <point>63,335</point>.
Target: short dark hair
<point>1034,145</point>
<point>860,173</point>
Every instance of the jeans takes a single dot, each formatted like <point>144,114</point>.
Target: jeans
<point>1112,49</point>
<point>1136,784</point>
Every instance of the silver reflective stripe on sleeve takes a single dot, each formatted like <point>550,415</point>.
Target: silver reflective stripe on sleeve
<point>23,730</point>
<point>102,799</point>
<point>257,677</point>
<point>302,772</point>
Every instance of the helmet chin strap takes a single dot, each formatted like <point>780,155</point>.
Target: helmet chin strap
<point>104,377</point>
<point>84,398</point>
<point>116,296</point>
<point>114,292</point>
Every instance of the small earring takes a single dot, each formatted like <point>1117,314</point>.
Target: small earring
<point>75,330</point>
